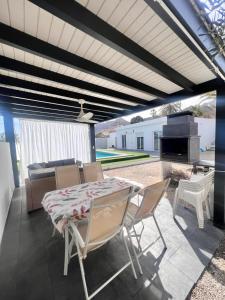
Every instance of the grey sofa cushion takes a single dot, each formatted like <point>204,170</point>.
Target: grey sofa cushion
<point>69,161</point>
<point>42,173</point>
<point>36,166</point>
<point>54,163</point>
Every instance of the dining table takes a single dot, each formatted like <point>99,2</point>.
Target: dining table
<point>73,203</point>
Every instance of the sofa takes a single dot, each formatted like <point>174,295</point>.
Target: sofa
<point>41,179</point>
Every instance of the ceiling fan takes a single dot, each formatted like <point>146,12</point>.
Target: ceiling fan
<point>84,117</point>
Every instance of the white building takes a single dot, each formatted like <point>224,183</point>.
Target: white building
<point>145,135</point>
<point>101,143</point>
<point>111,141</point>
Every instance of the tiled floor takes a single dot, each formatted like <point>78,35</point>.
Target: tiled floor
<point>31,261</point>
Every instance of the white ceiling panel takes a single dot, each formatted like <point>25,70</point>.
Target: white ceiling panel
<point>56,96</point>
<point>32,59</point>
<point>138,21</point>
<point>62,86</point>
<point>4,12</point>
<point>134,18</point>
<point>47,27</point>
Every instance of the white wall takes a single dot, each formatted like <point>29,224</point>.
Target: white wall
<point>101,143</point>
<point>206,130</point>
<point>111,140</point>
<point>145,129</point>
<point>6,184</point>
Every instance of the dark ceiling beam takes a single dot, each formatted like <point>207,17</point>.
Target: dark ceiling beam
<point>31,44</point>
<point>24,103</point>
<point>54,100</point>
<point>40,113</point>
<point>56,91</point>
<point>183,10</point>
<point>78,16</point>
<point>18,66</point>
<point>48,115</point>
<point>41,110</point>
<point>41,117</point>
<point>157,8</point>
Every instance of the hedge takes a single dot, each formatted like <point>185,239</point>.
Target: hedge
<point>122,158</point>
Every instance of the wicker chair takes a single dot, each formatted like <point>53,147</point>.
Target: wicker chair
<point>92,172</point>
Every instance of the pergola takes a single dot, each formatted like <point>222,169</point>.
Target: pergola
<point>120,56</point>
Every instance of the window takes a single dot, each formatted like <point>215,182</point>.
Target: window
<point>157,135</point>
<point>140,142</point>
<point>124,141</point>
<point>2,129</point>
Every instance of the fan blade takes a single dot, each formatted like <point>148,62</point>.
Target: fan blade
<point>87,116</point>
<point>82,120</point>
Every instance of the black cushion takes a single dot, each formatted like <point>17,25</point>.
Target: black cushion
<point>69,161</point>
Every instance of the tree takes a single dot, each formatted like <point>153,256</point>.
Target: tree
<point>170,108</point>
<point>205,108</point>
<point>153,113</point>
<point>136,119</point>
<point>197,111</point>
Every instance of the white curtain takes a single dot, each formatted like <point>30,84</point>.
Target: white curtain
<point>43,141</point>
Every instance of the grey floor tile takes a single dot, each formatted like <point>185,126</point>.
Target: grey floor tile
<point>32,261</point>
<point>175,282</point>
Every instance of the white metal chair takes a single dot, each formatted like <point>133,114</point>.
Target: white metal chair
<point>105,221</point>
<point>136,213</point>
<point>195,192</point>
<point>92,172</point>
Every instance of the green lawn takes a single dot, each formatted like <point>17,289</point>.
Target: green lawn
<point>126,163</point>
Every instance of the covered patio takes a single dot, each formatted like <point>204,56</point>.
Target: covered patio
<point>121,57</point>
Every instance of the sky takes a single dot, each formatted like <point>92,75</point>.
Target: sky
<point>184,104</point>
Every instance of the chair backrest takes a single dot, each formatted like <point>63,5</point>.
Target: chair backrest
<point>209,177</point>
<point>152,196</point>
<point>78,163</point>
<point>106,217</point>
<point>67,176</point>
<point>92,172</point>
<point>198,185</point>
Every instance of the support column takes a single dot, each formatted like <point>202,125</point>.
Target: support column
<point>92,142</point>
<point>219,187</point>
<point>10,138</point>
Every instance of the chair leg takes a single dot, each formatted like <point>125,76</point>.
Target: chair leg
<point>53,231</point>
<point>164,243</point>
<point>66,254</point>
<point>200,214</point>
<point>128,253</point>
<point>138,238</point>
<point>207,207</point>
<point>175,202</point>
<point>135,253</point>
<point>82,272</point>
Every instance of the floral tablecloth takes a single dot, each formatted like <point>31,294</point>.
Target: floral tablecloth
<point>73,203</point>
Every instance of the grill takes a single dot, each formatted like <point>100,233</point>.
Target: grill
<point>180,141</point>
